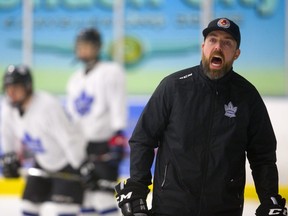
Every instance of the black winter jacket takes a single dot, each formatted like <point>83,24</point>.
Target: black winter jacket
<point>203,129</point>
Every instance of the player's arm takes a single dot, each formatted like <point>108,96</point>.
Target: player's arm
<point>8,127</point>
<point>9,160</point>
<point>66,133</point>
<point>116,98</point>
<point>70,97</point>
<point>72,141</point>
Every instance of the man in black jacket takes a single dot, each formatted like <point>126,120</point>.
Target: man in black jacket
<point>203,120</point>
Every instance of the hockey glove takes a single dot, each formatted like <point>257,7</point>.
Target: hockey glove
<point>10,165</point>
<point>89,176</point>
<point>117,147</point>
<point>131,197</point>
<point>272,206</point>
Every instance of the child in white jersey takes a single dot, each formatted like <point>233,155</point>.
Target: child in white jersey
<point>37,122</point>
<point>97,102</point>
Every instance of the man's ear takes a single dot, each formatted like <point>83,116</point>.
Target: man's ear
<point>237,54</point>
<point>202,45</point>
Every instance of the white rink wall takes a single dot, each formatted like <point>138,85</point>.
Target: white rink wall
<point>278,110</point>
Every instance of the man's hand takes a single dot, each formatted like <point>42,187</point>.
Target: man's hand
<point>273,206</point>
<point>131,197</point>
<point>10,165</point>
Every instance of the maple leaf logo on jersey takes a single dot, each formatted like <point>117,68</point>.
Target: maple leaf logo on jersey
<point>83,103</point>
<point>230,110</point>
<point>33,144</point>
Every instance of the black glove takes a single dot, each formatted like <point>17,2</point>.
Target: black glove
<point>131,197</point>
<point>10,165</point>
<point>89,176</point>
<point>273,206</point>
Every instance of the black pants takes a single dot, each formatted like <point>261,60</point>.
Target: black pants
<point>41,189</point>
<point>106,169</point>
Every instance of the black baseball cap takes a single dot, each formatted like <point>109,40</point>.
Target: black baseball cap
<point>224,24</point>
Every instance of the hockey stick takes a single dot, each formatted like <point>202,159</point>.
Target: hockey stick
<point>106,157</point>
<point>102,183</point>
<point>102,158</point>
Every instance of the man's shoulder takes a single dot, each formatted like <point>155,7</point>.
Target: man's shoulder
<point>178,78</point>
<point>182,74</point>
<point>240,80</point>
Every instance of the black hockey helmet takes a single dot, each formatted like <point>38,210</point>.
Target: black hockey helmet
<point>90,35</point>
<point>17,74</point>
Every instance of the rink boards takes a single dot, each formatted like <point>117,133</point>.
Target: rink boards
<point>277,108</point>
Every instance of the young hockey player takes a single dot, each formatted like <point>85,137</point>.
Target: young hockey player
<point>97,102</point>
<point>36,122</point>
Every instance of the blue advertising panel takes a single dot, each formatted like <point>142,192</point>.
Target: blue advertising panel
<point>161,37</point>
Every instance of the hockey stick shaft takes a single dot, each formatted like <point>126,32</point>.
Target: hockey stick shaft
<point>102,183</point>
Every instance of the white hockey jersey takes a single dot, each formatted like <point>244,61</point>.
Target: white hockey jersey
<point>97,100</point>
<point>45,130</point>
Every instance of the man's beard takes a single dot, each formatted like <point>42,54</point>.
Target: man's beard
<point>215,73</point>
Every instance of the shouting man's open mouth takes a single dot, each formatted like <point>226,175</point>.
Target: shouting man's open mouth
<point>216,62</point>
<point>216,66</point>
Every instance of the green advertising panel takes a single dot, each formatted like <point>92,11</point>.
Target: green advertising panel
<point>161,37</point>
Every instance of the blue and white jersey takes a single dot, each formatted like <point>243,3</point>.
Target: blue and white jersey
<point>45,130</point>
<point>97,100</point>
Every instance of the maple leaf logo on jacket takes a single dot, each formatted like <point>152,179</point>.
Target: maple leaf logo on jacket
<point>230,110</point>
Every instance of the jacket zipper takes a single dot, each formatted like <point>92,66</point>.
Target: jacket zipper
<point>205,168</point>
<point>165,176</point>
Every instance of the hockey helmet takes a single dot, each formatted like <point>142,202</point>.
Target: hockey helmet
<point>90,35</point>
<point>17,74</point>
